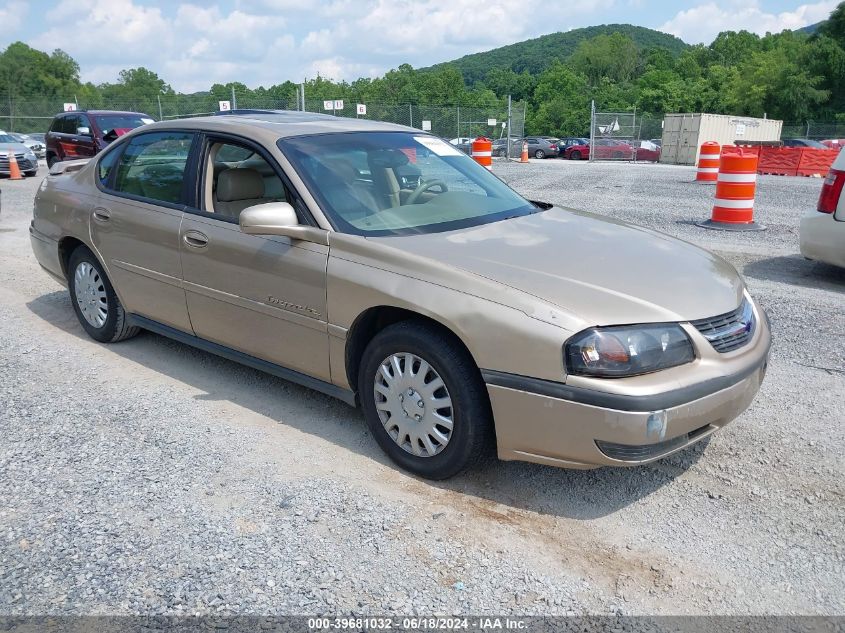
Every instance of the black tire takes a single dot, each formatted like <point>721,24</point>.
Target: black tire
<point>51,160</point>
<point>575,155</point>
<point>539,154</point>
<point>116,327</point>
<point>472,435</point>
<point>618,155</point>
<point>30,174</point>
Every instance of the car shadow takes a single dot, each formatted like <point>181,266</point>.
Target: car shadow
<point>577,494</point>
<point>795,270</point>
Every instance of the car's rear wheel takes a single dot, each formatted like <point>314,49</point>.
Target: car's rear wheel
<point>96,305</point>
<point>575,155</point>
<point>30,174</point>
<point>539,154</point>
<point>424,400</point>
<point>51,160</point>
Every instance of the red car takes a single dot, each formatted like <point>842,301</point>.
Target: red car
<point>84,133</point>
<point>648,151</point>
<point>605,149</point>
<point>834,143</point>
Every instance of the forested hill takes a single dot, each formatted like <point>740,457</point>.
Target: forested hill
<point>536,55</point>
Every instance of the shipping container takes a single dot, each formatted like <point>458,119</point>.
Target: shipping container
<point>683,134</point>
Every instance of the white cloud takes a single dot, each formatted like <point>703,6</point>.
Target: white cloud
<point>264,42</point>
<point>705,21</point>
<point>12,16</point>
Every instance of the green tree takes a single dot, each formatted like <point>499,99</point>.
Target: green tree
<point>612,57</point>
<point>834,26</point>
<point>563,106</point>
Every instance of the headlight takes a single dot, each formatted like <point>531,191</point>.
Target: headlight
<point>630,350</point>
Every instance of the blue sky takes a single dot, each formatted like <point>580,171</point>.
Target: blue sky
<point>262,42</point>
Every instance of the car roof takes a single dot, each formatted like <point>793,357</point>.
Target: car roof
<point>281,123</point>
<point>96,112</point>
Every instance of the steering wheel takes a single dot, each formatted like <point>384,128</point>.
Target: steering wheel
<point>424,186</point>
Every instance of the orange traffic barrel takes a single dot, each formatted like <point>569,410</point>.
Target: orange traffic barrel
<point>708,163</point>
<point>524,156</point>
<point>733,206</point>
<point>482,152</point>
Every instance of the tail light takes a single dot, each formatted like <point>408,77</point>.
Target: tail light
<point>552,146</point>
<point>831,190</point>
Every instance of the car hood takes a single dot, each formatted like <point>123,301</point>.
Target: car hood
<point>601,270</point>
<point>15,147</point>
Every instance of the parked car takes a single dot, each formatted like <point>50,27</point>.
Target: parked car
<point>541,147</point>
<point>834,143</point>
<point>565,143</point>
<point>82,134</point>
<point>647,151</point>
<point>36,146</point>
<point>41,137</point>
<point>803,142</point>
<point>822,232</point>
<point>500,146</point>
<point>25,157</point>
<point>461,140</point>
<point>452,312</point>
<point>605,149</point>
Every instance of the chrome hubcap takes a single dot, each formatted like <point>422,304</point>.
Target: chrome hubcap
<point>91,294</point>
<point>413,404</point>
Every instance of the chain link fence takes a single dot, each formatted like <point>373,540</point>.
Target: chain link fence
<point>447,121</point>
<point>624,136</point>
<point>816,130</point>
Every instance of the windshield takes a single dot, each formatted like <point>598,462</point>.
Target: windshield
<point>399,183</point>
<point>122,121</point>
<point>5,138</point>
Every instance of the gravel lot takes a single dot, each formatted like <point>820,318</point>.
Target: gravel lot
<point>148,477</point>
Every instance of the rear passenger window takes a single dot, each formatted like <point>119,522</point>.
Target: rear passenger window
<point>105,166</point>
<point>153,166</point>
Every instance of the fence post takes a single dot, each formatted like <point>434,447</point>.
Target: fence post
<point>411,114</point>
<point>592,127</point>
<point>508,132</point>
<point>234,101</point>
<point>160,115</point>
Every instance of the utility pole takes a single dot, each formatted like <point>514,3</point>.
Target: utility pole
<point>234,101</point>
<point>508,132</point>
<point>411,114</point>
<point>297,97</point>
<point>160,115</point>
<point>302,94</point>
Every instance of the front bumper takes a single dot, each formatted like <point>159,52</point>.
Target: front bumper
<point>573,427</point>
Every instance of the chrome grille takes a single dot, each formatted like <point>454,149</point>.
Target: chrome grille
<point>730,331</point>
<point>23,163</point>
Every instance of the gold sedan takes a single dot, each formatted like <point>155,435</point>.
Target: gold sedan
<point>380,265</point>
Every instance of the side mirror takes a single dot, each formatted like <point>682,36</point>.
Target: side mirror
<point>279,218</point>
<point>83,131</point>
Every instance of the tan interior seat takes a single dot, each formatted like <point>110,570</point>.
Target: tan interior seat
<point>238,189</point>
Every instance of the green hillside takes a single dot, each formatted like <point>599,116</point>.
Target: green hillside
<point>538,54</point>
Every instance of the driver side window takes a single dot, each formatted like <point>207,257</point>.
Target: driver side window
<point>238,177</point>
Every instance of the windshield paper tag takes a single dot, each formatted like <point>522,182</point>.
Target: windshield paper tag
<point>441,148</point>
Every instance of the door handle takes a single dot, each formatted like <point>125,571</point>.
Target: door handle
<point>101,215</point>
<point>195,239</point>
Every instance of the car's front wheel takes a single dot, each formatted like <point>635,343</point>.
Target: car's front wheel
<point>96,305</point>
<point>424,400</point>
